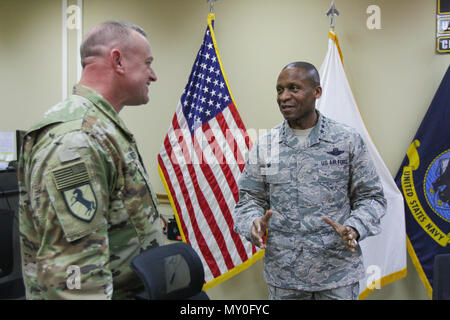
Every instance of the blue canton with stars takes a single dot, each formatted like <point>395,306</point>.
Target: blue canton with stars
<point>206,93</point>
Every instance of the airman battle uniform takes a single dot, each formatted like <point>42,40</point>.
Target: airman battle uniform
<point>331,175</point>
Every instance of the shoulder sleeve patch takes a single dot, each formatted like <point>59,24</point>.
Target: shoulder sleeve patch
<point>75,201</point>
<point>73,182</point>
<point>71,175</point>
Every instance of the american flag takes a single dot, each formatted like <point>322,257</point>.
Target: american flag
<point>200,162</point>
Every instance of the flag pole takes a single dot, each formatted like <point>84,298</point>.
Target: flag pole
<point>332,12</point>
<point>211,5</point>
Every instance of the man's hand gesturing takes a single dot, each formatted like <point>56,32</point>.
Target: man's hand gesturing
<point>348,234</point>
<point>259,229</point>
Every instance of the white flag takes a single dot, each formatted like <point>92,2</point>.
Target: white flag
<point>384,254</point>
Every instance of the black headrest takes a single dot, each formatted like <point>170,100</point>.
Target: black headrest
<point>173,271</point>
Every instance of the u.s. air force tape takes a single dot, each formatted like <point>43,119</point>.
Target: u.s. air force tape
<point>74,183</point>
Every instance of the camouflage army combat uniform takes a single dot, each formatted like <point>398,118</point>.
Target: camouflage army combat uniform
<point>86,205</point>
<point>330,175</point>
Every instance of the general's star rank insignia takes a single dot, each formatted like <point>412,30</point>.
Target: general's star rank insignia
<point>75,185</point>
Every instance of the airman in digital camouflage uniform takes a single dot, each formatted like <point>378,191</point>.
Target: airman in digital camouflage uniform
<point>86,205</point>
<point>312,183</point>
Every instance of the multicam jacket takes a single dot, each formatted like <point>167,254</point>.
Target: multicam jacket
<point>86,205</point>
<point>331,175</point>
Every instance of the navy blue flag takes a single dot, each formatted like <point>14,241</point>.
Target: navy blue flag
<point>424,179</point>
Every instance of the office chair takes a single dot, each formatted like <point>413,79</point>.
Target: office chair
<point>172,271</point>
<point>6,247</point>
<point>441,277</point>
<point>11,283</point>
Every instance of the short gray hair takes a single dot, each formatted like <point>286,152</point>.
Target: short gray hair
<point>105,34</point>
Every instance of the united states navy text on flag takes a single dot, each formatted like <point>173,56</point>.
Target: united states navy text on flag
<point>424,179</point>
<point>200,162</point>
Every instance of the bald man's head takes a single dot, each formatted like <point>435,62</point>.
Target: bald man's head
<point>106,35</point>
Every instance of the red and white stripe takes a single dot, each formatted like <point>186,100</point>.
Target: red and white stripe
<point>201,172</point>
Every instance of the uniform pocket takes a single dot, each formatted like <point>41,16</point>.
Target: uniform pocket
<point>139,202</point>
<point>281,177</point>
<point>333,181</point>
<point>151,194</point>
<point>280,190</point>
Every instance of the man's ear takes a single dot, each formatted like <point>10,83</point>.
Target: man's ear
<point>116,58</point>
<point>318,92</point>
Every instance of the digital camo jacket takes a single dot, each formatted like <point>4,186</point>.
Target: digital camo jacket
<point>86,205</point>
<point>331,175</point>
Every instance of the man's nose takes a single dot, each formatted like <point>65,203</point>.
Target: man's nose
<point>153,76</point>
<point>283,95</point>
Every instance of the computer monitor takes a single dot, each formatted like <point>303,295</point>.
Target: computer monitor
<point>10,148</point>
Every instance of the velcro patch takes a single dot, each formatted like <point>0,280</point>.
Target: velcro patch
<point>81,201</point>
<point>73,181</point>
<point>72,175</point>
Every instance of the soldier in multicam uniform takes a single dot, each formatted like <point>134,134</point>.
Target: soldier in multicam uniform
<point>86,205</point>
<point>312,183</point>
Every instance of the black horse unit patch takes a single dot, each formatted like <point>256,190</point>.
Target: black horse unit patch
<point>74,183</point>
